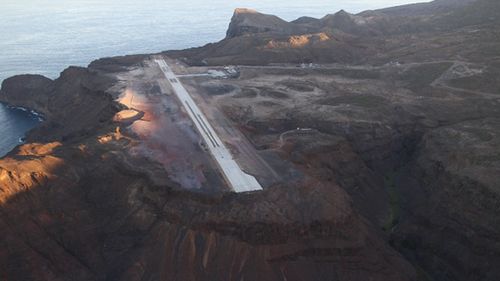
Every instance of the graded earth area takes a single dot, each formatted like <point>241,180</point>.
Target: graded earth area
<point>374,138</point>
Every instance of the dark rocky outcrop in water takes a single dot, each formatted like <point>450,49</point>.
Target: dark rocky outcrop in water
<point>74,104</point>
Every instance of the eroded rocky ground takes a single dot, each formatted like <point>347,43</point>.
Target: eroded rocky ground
<point>414,155</point>
<point>385,150</point>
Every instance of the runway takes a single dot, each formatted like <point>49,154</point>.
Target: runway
<point>237,179</point>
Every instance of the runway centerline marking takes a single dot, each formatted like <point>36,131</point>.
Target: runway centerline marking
<point>236,178</point>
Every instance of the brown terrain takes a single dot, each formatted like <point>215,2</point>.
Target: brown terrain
<point>376,138</point>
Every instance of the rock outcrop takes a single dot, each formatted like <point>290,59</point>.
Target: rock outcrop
<point>74,104</point>
<point>371,37</point>
<point>248,21</point>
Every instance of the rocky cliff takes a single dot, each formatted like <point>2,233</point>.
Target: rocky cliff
<point>75,205</point>
<point>399,167</point>
<point>74,104</point>
<point>417,160</point>
<point>371,37</point>
<point>248,21</point>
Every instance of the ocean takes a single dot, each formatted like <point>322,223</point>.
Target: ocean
<point>46,36</point>
<point>14,123</point>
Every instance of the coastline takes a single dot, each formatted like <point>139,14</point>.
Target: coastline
<point>377,148</point>
<point>31,113</point>
<point>39,116</point>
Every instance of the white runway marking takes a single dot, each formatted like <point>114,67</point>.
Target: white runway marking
<point>238,180</point>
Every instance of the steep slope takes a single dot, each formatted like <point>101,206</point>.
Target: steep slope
<point>353,39</point>
<point>430,8</point>
<point>402,155</point>
<point>361,25</point>
<point>60,101</point>
<point>257,39</point>
<point>479,12</point>
<point>76,205</point>
<point>248,21</point>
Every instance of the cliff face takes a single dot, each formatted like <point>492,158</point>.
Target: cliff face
<point>102,222</point>
<point>371,37</point>
<point>399,162</point>
<point>75,205</point>
<point>74,104</point>
<point>452,208</point>
<point>29,90</point>
<point>247,21</point>
<point>417,159</point>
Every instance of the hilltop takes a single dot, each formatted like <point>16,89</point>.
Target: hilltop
<point>370,37</point>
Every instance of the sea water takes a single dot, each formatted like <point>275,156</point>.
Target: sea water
<point>14,123</point>
<point>46,36</point>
